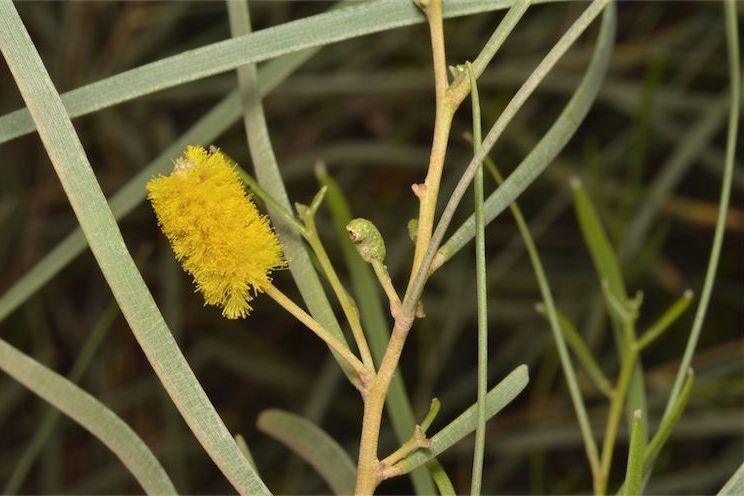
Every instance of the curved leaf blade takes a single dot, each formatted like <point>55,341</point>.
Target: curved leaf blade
<point>90,413</point>
<point>313,445</point>
<point>735,484</point>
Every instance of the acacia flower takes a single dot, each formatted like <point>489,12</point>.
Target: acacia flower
<point>215,230</point>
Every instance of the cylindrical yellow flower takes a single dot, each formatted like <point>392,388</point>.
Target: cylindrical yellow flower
<point>215,230</point>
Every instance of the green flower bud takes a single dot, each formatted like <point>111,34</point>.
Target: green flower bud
<point>367,239</point>
<point>412,229</point>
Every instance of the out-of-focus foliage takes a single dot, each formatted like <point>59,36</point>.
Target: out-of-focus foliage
<point>650,153</point>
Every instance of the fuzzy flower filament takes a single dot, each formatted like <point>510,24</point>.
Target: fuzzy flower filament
<point>215,230</point>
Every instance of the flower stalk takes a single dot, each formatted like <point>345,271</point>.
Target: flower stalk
<point>348,305</point>
<point>290,306</point>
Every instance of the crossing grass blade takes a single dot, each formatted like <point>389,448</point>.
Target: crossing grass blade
<point>312,32</point>
<point>99,226</point>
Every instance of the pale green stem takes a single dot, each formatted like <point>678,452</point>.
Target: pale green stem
<point>368,476</point>
<point>665,321</point>
<point>613,419</point>
<point>481,297</point>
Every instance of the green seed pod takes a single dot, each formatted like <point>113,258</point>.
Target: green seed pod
<point>367,239</point>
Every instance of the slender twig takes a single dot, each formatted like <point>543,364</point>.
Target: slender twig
<point>348,305</point>
<point>417,441</point>
<point>666,320</point>
<point>319,330</point>
<point>428,192</point>
<point>383,277</point>
<point>368,476</point>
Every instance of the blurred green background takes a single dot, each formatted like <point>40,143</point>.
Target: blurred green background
<point>366,107</point>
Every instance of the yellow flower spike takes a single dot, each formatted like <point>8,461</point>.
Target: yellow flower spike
<point>215,230</point>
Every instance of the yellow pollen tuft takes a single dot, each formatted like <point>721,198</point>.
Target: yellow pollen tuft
<point>215,230</point>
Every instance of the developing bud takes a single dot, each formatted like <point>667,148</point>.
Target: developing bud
<point>413,229</point>
<point>367,239</point>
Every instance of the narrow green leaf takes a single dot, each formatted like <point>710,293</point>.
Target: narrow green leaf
<point>100,228</point>
<point>497,399</point>
<point>49,422</point>
<point>608,269</point>
<point>481,297</point>
<point>269,177</point>
<point>90,413</point>
<point>499,36</point>
<point>666,320</point>
<point>192,65</point>
<point>245,450</point>
<point>735,485</point>
<point>636,452</point>
<point>314,445</point>
<point>373,313</point>
<point>583,353</point>
<point>441,479</point>
<point>600,248</point>
<point>668,422</point>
